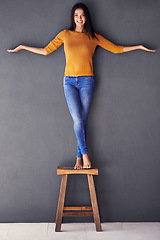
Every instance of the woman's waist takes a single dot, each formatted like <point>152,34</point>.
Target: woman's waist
<point>78,80</point>
<point>78,75</point>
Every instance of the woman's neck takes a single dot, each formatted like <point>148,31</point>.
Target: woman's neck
<point>81,30</point>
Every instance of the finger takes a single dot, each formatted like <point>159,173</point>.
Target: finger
<point>14,50</point>
<point>149,50</point>
<point>152,50</point>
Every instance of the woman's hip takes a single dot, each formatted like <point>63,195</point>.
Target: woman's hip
<point>79,81</point>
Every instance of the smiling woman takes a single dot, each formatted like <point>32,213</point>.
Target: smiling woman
<point>79,19</point>
<point>80,43</point>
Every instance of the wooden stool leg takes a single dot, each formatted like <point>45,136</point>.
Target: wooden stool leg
<point>94,202</point>
<point>60,207</point>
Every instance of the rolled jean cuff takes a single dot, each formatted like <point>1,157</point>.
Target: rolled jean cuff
<point>79,155</point>
<point>84,152</point>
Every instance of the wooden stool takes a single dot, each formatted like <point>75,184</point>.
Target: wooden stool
<point>83,210</point>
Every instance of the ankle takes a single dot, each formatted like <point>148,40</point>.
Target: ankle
<point>85,155</point>
<point>79,159</point>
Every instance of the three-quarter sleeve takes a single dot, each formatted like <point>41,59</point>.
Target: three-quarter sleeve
<point>106,44</point>
<point>55,43</point>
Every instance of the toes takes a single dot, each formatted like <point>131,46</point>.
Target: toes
<point>88,166</point>
<point>78,167</point>
<point>85,167</point>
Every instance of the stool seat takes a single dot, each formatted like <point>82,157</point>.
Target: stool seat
<point>70,170</point>
<point>78,211</point>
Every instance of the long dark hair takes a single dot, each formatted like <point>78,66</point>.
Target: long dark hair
<point>88,24</point>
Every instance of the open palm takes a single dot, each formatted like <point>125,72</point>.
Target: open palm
<point>16,49</point>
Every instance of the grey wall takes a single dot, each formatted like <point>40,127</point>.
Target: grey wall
<point>36,132</point>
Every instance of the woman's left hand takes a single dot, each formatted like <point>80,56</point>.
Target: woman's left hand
<point>146,49</point>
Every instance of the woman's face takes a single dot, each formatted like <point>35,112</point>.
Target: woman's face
<point>79,18</point>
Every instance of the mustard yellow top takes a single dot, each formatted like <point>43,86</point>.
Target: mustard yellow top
<point>79,50</point>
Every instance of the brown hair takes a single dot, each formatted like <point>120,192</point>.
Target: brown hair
<point>88,24</point>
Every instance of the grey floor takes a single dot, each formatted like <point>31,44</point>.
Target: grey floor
<point>85,231</point>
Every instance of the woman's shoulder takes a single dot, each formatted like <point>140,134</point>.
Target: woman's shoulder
<point>65,30</point>
<point>62,33</point>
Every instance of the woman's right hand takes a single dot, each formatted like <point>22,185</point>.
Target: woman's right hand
<point>20,47</point>
<point>41,51</point>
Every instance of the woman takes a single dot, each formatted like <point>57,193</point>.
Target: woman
<point>79,45</point>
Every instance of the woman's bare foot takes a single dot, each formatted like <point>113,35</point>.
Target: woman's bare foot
<point>86,162</point>
<point>78,164</point>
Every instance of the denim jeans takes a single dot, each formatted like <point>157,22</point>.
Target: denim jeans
<point>78,92</point>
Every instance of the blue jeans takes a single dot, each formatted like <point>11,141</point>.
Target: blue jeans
<point>78,92</point>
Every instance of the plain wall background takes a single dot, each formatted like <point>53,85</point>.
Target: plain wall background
<point>36,131</point>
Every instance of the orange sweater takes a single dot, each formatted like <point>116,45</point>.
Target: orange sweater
<point>79,50</point>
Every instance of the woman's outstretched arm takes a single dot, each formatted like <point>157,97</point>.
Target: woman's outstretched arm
<point>41,51</point>
<point>108,45</point>
<point>141,47</point>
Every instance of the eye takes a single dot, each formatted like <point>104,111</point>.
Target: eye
<point>77,14</point>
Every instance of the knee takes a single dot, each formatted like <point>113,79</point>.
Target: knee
<point>78,121</point>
